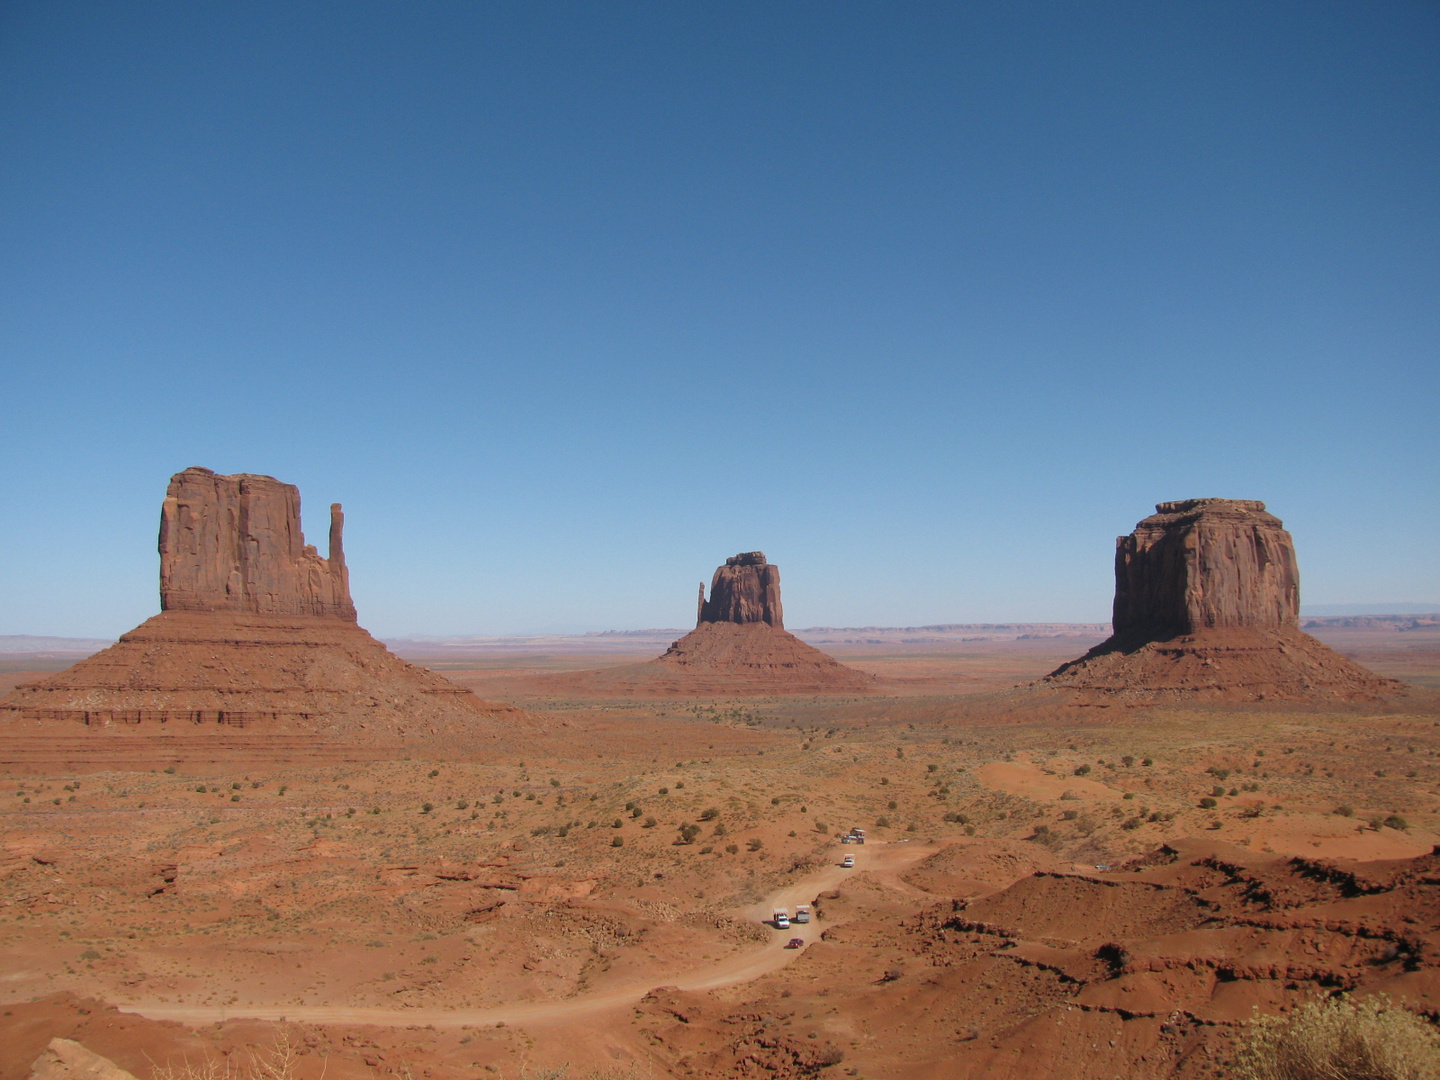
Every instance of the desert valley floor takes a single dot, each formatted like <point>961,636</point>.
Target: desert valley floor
<point>1051,892</point>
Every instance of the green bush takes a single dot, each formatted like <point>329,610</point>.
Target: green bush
<point>1208,803</point>
<point>1339,1040</point>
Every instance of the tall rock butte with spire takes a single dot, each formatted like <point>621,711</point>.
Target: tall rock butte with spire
<point>740,643</point>
<point>1207,605</point>
<point>256,630</point>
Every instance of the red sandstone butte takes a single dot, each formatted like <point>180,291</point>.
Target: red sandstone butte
<point>256,631</point>
<point>1207,605</point>
<point>233,543</point>
<point>745,590</point>
<point>740,643</point>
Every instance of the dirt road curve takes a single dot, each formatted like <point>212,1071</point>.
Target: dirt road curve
<point>884,861</point>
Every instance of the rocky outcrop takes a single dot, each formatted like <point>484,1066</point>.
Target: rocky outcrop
<point>233,543</point>
<point>1207,606</point>
<point>745,590</point>
<point>1202,564</point>
<point>256,631</point>
<point>739,647</point>
<point>65,1059</point>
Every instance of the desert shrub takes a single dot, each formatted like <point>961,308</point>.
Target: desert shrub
<point>1148,761</point>
<point>775,801</point>
<point>710,813</point>
<point>434,773</point>
<point>1070,815</point>
<point>688,832</point>
<point>892,805</point>
<point>1395,821</point>
<point>1340,1039</point>
<point>1217,772</point>
<point>820,826</point>
<point>461,804</point>
<point>554,782</point>
<point>664,791</point>
<point>1132,823</point>
<point>755,843</point>
<point>1127,760</point>
<point>617,824</point>
<point>635,811</point>
<point>1082,770</point>
<point>1218,790</point>
<point>650,823</point>
<point>427,807</point>
<point>732,849</point>
<point>618,842</point>
<point>1208,803</point>
<point>882,823</point>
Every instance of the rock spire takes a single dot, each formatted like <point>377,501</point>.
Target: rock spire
<point>233,543</point>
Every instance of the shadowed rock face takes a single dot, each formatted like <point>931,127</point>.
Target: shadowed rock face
<point>233,543</point>
<point>745,590</point>
<point>1205,564</point>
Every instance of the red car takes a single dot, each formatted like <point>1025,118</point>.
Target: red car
<point>795,943</point>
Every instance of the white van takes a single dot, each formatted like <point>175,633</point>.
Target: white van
<point>802,913</point>
<point>782,919</point>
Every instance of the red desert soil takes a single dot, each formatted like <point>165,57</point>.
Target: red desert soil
<point>397,911</point>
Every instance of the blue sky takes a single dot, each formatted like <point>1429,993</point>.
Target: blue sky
<point>568,302</point>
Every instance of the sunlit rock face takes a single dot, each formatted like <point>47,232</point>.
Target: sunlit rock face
<point>233,543</point>
<point>1205,564</point>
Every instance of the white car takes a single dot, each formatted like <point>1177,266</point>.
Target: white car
<point>848,861</point>
<point>782,919</point>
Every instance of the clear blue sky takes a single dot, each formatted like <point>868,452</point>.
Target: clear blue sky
<point>566,302</point>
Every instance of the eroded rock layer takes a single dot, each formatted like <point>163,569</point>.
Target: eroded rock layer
<point>184,674</point>
<point>1146,972</point>
<point>1207,605</point>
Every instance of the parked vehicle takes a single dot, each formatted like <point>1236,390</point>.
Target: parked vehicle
<point>802,913</point>
<point>782,919</point>
<point>795,943</point>
<point>848,861</point>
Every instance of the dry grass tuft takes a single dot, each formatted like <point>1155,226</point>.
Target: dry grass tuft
<point>1340,1040</point>
<point>274,1063</point>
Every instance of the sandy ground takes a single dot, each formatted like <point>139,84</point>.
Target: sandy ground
<point>468,918</point>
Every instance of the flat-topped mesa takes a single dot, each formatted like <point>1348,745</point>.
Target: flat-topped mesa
<point>1205,564</point>
<point>1207,607</point>
<point>233,543</point>
<point>745,590</point>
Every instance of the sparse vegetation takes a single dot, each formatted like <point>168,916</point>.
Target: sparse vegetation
<point>1339,1039</point>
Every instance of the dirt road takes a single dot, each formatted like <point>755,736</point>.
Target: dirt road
<point>883,861</point>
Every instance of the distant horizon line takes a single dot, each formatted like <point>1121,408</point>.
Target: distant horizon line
<point>40,642</point>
